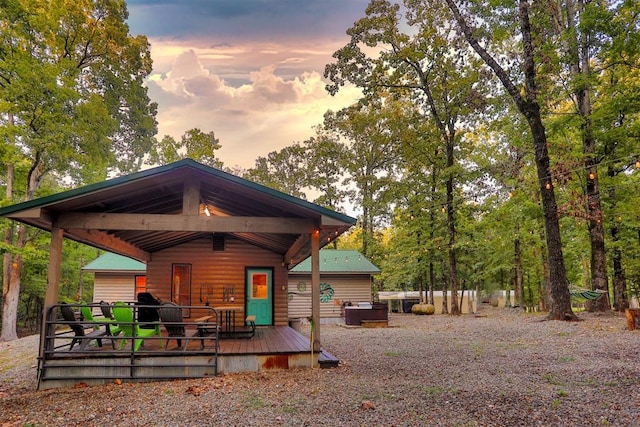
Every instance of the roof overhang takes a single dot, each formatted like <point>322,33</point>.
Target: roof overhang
<point>139,214</point>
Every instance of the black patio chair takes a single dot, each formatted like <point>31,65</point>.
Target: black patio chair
<point>147,316</point>
<point>78,329</point>
<point>110,321</point>
<point>105,307</point>
<point>171,317</point>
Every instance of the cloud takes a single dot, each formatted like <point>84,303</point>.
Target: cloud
<point>250,71</point>
<point>267,113</point>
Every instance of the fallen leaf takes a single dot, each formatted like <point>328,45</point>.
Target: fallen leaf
<point>367,404</point>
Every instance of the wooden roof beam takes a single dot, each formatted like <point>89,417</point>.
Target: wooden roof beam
<point>105,241</point>
<point>159,222</point>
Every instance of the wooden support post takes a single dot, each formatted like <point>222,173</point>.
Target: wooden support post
<point>53,279</point>
<point>191,198</point>
<point>315,288</point>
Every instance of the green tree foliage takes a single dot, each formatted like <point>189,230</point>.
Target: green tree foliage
<point>72,105</point>
<point>594,41</point>
<point>282,170</point>
<point>194,144</point>
<point>325,156</point>
<point>430,65</point>
<point>371,133</point>
<point>485,26</point>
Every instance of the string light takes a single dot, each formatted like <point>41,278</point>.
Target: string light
<point>548,185</point>
<point>592,175</point>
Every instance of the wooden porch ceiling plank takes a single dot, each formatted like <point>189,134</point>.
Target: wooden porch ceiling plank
<point>245,224</point>
<point>105,241</point>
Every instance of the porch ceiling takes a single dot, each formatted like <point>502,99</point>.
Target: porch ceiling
<point>148,211</point>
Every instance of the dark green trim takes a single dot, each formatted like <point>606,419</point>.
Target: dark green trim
<point>184,163</point>
<point>338,261</point>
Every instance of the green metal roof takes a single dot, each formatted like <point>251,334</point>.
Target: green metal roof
<point>160,191</point>
<point>69,194</point>
<point>339,261</point>
<point>114,262</point>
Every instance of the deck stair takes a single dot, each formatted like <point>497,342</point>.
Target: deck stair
<point>327,360</point>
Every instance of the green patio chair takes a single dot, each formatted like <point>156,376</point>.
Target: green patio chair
<point>124,317</point>
<point>111,328</point>
<point>87,316</point>
<point>114,329</point>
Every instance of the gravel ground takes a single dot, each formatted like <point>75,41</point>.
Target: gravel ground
<point>501,367</point>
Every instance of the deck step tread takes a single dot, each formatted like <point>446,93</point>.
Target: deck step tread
<point>327,360</point>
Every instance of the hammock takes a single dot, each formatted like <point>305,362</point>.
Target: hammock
<point>590,295</point>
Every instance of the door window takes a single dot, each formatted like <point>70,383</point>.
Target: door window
<point>259,286</point>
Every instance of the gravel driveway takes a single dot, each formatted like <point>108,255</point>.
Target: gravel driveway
<point>500,367</point>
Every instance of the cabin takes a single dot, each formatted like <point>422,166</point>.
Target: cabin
<point>216,246</point>
<point>346,279</point>
<point>116,277</point>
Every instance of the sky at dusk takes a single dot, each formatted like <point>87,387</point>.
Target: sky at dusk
<point>251,71</point>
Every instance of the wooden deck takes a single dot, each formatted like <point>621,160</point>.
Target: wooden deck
<point>267,340</point>
<point>271,348</point>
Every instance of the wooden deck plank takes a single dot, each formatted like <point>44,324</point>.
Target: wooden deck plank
<point>267,340</point>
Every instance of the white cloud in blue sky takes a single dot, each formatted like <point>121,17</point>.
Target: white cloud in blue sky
<point>249,70</point>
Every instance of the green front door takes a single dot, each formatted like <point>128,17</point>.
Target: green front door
<point>260,295</point>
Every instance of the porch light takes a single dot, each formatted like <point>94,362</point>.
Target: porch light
<point>206,210</point>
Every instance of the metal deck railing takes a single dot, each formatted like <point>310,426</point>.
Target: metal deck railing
<point>69,356</point>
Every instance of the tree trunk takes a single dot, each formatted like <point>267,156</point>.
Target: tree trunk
<point>13,264</point>
<point>545,283</point>
<point>519,291</point>
<point>560,300</point>
<point>530,294</point>
<point>10,295</point>
<point>432,280</point>
<point>451,227</point>
<point>578,52</point>
<point>445,298</point>
<point>620,298</point>
<point>432,221</point>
